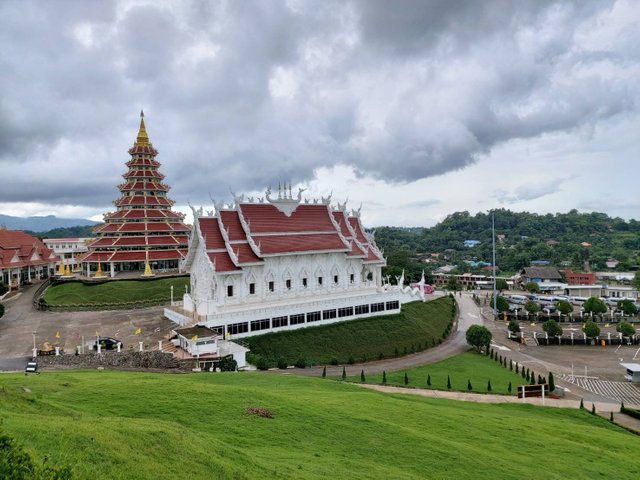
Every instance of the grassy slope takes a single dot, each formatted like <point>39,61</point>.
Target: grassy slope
<point>138,425</point>
<point>477,368</point>
<point>77,293</point>
<point>418,323</point>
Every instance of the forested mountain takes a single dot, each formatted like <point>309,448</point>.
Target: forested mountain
<point>565,239</point>
<point>81,231</point>
<point>42,224</point>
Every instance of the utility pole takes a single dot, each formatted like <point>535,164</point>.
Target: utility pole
<point>493,237</point>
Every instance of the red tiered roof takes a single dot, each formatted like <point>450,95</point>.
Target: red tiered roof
<point>275,244</point>
<point>142,162</point>
<point>19,249</point>
<point>211,233</point>
<point>231,222</point>
<point>143,174</point>
<point>166,228</point>
<point>223,262</point>
<point>266,218</point>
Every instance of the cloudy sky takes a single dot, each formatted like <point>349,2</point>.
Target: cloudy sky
<point>414,108</point>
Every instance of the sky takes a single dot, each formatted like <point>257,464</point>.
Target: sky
<point>413,109</point>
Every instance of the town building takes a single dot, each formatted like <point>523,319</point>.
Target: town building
<point>471,243</point>
<point>69,250</point>
<point>579,278</point>
<point>143,234</point>
<point>24,258</point>
<point>539,275</point>
<point>278,263</point>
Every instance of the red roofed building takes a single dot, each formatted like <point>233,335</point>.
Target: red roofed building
<point>143,230</point>
<point>24,258</point>
<point>281,263</point>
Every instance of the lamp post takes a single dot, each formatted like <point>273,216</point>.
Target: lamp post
<point>35,349</point>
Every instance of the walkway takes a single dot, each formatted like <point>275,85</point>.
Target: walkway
<point>621,391</point>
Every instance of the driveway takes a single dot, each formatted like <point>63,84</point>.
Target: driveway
<point>21,320</point>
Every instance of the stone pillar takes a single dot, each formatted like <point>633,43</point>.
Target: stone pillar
<point>160,345</point>
<point>119,346</point>
<point>112,271</point>
<point>141,345</point>
<point>57,351</point>
<point>99,348</point>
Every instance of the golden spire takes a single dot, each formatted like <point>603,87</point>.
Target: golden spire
<point>143,138</point>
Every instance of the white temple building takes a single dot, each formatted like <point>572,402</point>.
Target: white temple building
<point>270,264</point>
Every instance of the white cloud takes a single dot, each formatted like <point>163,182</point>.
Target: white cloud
<point>411,107</point>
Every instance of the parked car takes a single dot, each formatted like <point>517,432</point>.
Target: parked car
<point>106,343</point>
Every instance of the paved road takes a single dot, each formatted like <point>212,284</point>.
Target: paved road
<point>21,320</point>
<point>455,344</point>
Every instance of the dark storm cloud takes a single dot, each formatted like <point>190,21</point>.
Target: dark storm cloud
<point>239,95</point>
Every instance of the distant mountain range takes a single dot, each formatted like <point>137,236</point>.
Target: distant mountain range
<point>42,224</point>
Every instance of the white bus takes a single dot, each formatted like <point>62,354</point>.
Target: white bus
<point>579,301</point>
<point>517,299</point>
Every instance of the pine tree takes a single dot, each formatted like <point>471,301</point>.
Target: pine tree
<point>324,372</point>
<point>428,380</point>
<point>448,382</point>
<point>500,359</point>
<point>552,385</point>
<point>533,379</point>
<point>384,377</point>
<point>489,386</point>
<point>469,387</point>
<point>621,405</point>
<point>511,365</point>
<point>362,379</point>
<point>611,417</point>
<point>406,378</point>
<point>517,368</point>
<point>509,388</point>
<point>581,404</point>
<point>344,373</point>
<point>491,354</point>
<point>527,375</point>
<point>540,379</point>
<point>593,408</point>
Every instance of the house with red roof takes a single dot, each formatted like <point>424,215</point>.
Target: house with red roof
<point>278,263</point>
<point>24,258</point>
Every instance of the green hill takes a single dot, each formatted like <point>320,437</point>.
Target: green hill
<point>122,425</point>
<point>527,237</point>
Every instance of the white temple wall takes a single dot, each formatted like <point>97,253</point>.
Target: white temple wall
<point>350,274</point>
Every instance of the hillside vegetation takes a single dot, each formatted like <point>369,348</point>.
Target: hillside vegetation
<point>418,326</point>
<point>526,237</point>
<point>124,425</point>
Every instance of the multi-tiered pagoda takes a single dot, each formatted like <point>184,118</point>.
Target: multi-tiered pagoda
<point>143,234</point>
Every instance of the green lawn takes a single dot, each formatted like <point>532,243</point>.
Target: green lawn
<point>470,366</point>
<point>148,291</point>
<point>418,326</point>
<point>124,425</point>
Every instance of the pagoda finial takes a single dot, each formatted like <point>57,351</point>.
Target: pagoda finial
<point>143,138</point>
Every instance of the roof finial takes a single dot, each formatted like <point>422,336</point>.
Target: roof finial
<point>143,138</point>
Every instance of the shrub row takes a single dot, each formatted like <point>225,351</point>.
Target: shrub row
<point>358,340</point>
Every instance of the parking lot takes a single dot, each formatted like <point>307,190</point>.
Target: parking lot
<point>21,320</point>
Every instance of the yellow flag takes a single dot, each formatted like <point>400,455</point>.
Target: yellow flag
<point>194,338</point>
<point>58,334</point>
<point>138,331</point>
<point>97,334</point>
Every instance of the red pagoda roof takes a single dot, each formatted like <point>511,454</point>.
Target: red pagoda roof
<point>223,262</point>
<point>143,174</point>
<point>142,162</point>
<point>266,218</point>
